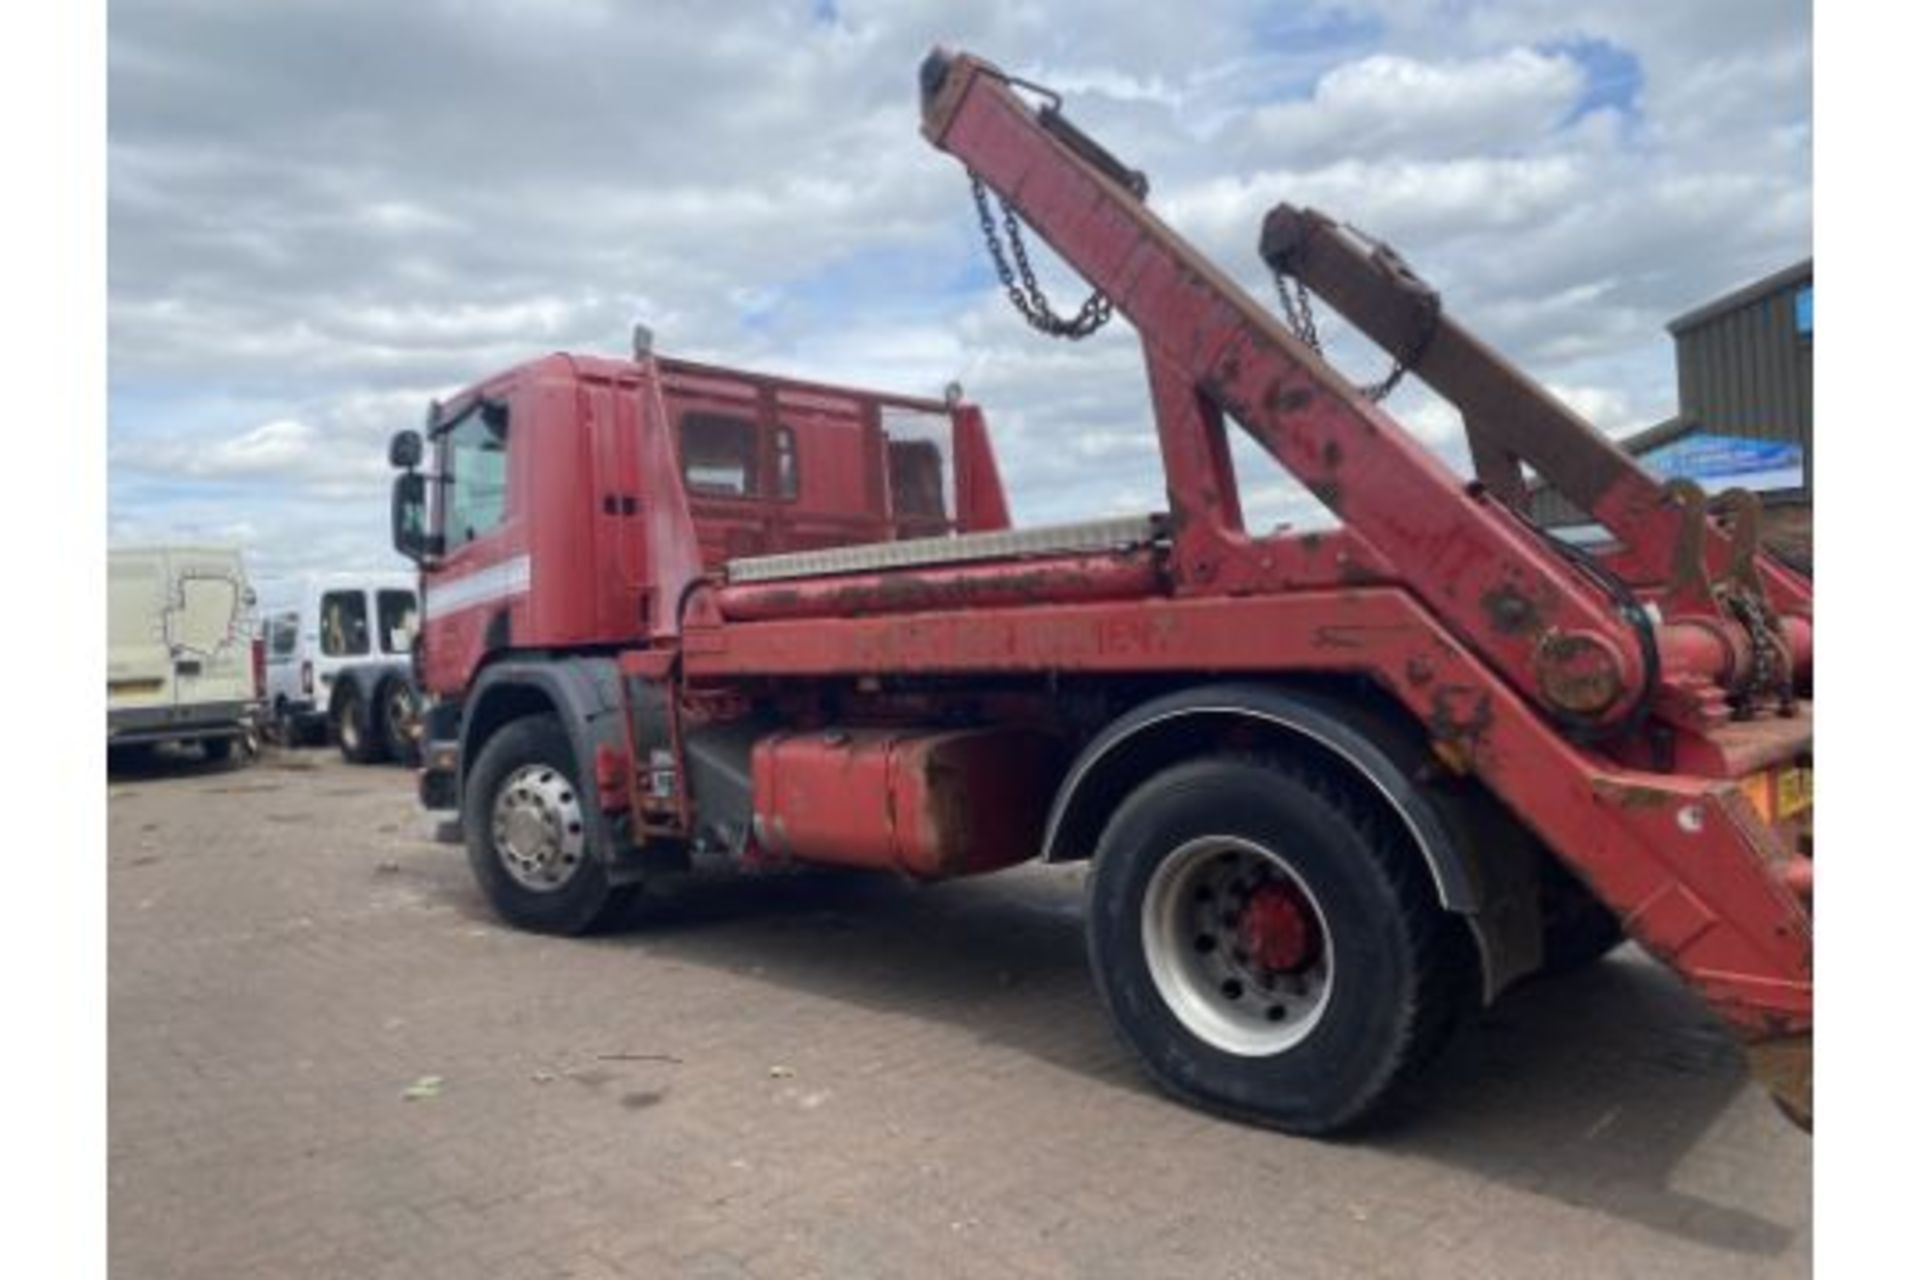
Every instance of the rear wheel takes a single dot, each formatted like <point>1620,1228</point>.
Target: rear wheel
<point>529,840</point>
<point>1269,946</point>
<point>358,740</point>
<point>133,755</point>
<point>399,713</point>
<point>218,750</point>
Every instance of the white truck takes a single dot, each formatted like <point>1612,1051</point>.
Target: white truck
<point>182,664</point>
<point>338,657</point>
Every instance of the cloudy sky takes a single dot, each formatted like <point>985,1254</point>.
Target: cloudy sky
<point>324,214</point>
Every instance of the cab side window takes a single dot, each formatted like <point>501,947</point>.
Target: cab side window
<point>720,454</point>
<point>474,467</point>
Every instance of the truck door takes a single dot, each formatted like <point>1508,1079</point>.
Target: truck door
<point>139,668</point>
<point>485,572</point>
<point>209,629</point>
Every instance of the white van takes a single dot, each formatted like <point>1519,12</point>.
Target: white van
<point>324,624</point>
<point>180,652</point>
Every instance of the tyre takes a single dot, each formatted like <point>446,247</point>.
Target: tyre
<point>528,838</point>
<point>359,741</point>
<point>1270,946</point>
<point>124,756</point>
<point>399,712</point>
<point>217,750</point>
<point>1576,928</point>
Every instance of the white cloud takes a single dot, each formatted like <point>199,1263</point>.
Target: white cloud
<point>1390,106</point>
<point>324,213</point>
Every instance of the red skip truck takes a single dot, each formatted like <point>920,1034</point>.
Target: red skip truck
<point>1337,788</point>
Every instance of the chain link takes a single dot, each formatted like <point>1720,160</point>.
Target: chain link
<point>1772,665</point>
<point>1296,308</point>
<point>1025,292</point>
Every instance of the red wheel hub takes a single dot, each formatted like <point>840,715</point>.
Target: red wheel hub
<point>1278,930</point>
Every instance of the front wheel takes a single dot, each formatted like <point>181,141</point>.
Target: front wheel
<point>1269,945</point>
<point>529,840</point>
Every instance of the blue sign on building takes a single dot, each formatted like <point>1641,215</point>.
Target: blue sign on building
<point>1717,462</point>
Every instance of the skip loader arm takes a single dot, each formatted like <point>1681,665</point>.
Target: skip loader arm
<point>1509,418</point>
<point>1628,738</point>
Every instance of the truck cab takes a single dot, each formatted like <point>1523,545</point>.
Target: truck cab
<point>572,500</point>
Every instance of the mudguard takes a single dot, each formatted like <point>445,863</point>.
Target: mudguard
<point>1480,870</point>
<point>584,692</point>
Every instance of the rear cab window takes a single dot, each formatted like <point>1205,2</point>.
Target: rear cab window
<point>399,616</point>
<point>343,624</point>
<point>920,470</point>
<point>720,454</point>
<point>915,474</point>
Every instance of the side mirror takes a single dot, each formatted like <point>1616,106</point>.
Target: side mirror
<point>405,450</point>
<point>409,516</point>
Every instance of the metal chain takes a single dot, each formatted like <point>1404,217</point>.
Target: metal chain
<point>1771,667</point>
<point>1025,293</point>
<point>1296,308</point>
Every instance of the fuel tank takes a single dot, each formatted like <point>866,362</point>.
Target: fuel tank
<point>933,804</point>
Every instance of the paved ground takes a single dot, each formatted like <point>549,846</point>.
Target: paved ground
<point>828,1077</point>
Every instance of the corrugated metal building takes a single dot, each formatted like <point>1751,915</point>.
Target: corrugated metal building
<point>1745,368</point>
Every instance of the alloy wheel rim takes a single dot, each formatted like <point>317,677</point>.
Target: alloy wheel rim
<point>538,830</point>
<point>1237,945</point>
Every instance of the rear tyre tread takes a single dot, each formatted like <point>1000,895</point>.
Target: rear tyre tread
<point>400,747</point>
<point>1444,963</point>
<point>354,729</point>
